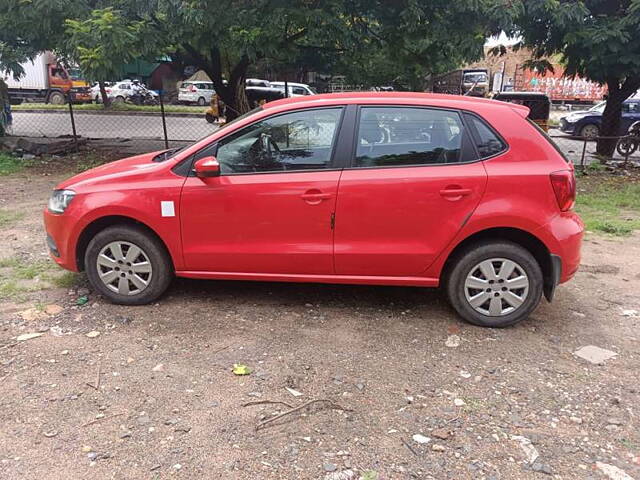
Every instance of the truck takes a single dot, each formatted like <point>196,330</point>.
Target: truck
<point>466,81</point>
<point>557,87</point>
<point>44,79</point>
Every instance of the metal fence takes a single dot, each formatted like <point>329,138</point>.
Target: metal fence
<point>170,123</point>
<point>173,125</point>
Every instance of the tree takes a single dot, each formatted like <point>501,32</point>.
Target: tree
<point>597,40</point>
<point>106,40</point>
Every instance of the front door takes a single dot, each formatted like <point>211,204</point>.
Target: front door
<point>271,209</point>
<point>410,189</point>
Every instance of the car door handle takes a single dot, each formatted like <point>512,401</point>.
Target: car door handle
<point>314,197</point>
<point>454,193</point>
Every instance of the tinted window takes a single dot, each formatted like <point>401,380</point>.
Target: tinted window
<point>487,142</point>
<point>299,90</point>
<point>389,136</point>
<point>293,141</point>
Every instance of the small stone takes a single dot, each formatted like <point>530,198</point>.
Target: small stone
<point>130,360</point>
<point>329,467</point>
<point>458,402</point>
<point>438,448</point>
<point>595,355</point>
<point>541,468</point>
<point>53,309</point>
<point>177,466</point>
<point>421,439</point>
<point>213,404</point>
<point>440,433</point>
<point>64,352</point>
<point>293,392</point>
<point>28,336</point>
<point>123,320</point>
<point>86,449</point>
<point>158,368</point>
<point>465,374</point>
<point>92,456</point>
<point>126,434</point>
<point>82,291</point>
<point>577,420</point>
<point>254,394</point>
<point>453,341</point>
<point>171,421</point>
<point>93,334</point>
<point>613,472</point>
<point>143,419</point>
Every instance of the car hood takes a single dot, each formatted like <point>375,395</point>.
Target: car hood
<point>575,116</point>
<point>113,170</point>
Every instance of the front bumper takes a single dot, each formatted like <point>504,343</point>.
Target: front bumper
<point>567,127</point>
<point>61,240</point>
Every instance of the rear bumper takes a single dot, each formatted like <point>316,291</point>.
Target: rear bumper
<point>563,236</point>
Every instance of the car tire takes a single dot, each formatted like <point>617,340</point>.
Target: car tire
<point>489,302</point>
<point>210,118</point>
<point>144,276</point>
<point>590,130</point>
<point>118,100</point>
<point>202,102</point>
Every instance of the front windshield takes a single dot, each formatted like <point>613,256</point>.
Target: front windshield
<point>475,77</point>
<point>598,108</point>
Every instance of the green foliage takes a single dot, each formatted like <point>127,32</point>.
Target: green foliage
<point>9,217</point>
<point>10,164</point>
<point>106,40</point>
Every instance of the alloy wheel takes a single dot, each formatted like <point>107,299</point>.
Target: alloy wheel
<point>496,287</point>
<point>124,268</point>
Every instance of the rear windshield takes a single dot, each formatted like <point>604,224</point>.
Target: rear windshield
<point>549,139</point>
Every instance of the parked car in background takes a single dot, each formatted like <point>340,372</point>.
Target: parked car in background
<point>405,189</point>
<point>120,91</point>
<point>197,92</point>
<point>95,91</point>
<point>587,123</point>
<point>295,89</point>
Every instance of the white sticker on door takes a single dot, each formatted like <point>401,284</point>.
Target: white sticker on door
<point>167,209</point>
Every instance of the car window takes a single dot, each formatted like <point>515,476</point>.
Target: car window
<point>299,91</point>
<point>390,136</point>
<point>294,141</point>
<point>486,140</point>
<point>631,107</point>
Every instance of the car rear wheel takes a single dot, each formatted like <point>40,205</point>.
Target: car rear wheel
<point>494,284</point>
<point>202,102</point>
<point>128,265</point>
<point>118,99</point>
<point>590,131</point>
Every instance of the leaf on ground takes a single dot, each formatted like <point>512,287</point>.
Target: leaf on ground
<point>28,336</point>
<point>239,369</point>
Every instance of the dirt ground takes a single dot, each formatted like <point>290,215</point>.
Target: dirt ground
<point>412,392</point>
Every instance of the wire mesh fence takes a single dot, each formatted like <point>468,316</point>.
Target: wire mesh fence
<point>176,124</point>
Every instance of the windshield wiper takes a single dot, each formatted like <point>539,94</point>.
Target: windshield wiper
<point>161,157</point>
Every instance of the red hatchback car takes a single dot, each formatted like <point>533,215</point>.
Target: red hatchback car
<point>359,188</point>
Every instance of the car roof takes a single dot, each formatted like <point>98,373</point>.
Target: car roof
<point>406,98</point>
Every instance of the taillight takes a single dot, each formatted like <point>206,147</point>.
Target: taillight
<point>564,186</point>
<point>192,89</point>
<point>107,90</point>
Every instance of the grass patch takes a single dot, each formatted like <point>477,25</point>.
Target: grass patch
<point>609,204</point>
<point>18,276</point>
<point>66,280</point>
<point>122,107</point>
<point>7,217</point>
<point>10,164</point>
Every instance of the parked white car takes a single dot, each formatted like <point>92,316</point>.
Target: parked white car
<point>119,91</point>
<point>295,89</point>
<point>95,91</point>
<point>196,92</point>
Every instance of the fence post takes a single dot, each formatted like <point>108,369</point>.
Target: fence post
<point>584,152</point>
<point>73,121</point>
<point>164,121</point>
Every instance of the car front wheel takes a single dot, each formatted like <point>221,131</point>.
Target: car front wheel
<point>590,131</point>
<point>494,284</point>
<point>127,265</point>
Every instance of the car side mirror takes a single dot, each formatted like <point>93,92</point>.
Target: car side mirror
<point>207,167</point>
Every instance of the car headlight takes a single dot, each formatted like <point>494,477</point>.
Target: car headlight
<point>60,200</point>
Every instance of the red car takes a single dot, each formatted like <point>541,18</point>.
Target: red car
<point>359,188</point>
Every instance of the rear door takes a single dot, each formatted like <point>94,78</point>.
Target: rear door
<point>412,185</point>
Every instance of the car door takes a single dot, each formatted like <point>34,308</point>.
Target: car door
<point>271,209</point>
<point>411,187</point>
<point>630,114</point>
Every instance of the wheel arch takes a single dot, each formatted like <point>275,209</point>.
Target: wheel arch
<point>100,224</point>
<point>525,239</point>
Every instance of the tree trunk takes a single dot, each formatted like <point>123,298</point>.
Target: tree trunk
<point>235,95</point>
<point>106,101</point>
<point>612,115</point>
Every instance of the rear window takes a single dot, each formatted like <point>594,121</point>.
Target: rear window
<point>487,142</point>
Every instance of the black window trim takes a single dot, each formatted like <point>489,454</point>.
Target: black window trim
<point>184,171</point>
<point>476,136</point>
<point>466,142</point>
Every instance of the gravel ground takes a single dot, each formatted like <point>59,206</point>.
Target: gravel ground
<point>408,390</point>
